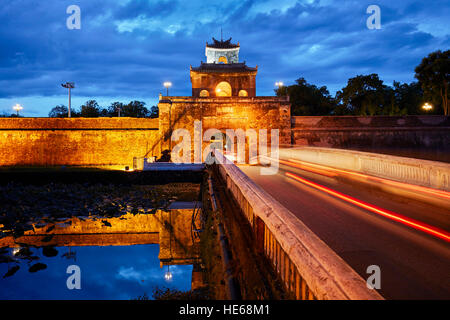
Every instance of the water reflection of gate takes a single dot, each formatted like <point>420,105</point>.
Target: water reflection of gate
<point>170,229</point>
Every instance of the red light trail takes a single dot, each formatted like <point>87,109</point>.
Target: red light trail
<point>330,171</point>
<point>442,234</point>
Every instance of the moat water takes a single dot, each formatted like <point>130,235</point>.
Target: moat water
<point>106,272</point>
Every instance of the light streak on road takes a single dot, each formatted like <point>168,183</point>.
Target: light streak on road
<point>314,169</point>
<point>442,234</point>
<point>309,167</point>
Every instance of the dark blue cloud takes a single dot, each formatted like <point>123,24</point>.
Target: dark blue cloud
<point>133,9</point>
<point>127,48</point>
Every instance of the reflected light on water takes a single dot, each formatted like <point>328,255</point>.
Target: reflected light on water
<point>15,251</point>
<point>168,274</point>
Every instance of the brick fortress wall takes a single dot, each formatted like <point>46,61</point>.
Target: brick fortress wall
<point>426,137</point>
<point>76,141</point>
<point>115,141</point>
<point>224,113</point>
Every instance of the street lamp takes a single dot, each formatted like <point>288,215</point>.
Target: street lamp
<point>279,84</point>
<point>427,107</point>
<point>17,107</point>
<point>167,84</point>
<point>69,85</point>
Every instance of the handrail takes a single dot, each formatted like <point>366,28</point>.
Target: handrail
<point>307,266</point>
<point>426,173</point>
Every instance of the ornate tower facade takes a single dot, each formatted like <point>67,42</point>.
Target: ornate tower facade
<point>222,52</point>
<point>223,75</point>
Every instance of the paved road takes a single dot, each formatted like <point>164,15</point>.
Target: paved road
<point>414,264</point>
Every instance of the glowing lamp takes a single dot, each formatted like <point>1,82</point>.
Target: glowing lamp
<point>17,108</point>
<point>167,85</point>
<point>427,107</point>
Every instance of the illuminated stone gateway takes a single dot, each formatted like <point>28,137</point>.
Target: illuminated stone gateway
<point>223,97</point>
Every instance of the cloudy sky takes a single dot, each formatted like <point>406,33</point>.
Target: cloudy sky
<point>126,49</point>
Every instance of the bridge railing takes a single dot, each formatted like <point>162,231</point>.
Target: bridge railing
<point>306,265</point>
<point>426,173</point>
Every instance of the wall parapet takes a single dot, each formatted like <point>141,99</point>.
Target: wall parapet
<point>356,122</point>
<point>78,123</point>
<point>424,137</point>
<point>190,99</point>
<point>307,266</point>
<point>77,141</point>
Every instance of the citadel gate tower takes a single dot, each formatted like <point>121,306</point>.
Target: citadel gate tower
<point>223,97</point>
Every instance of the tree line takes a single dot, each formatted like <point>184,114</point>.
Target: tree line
<point>91,109</point>
<point>368,95</point>
<point>363,95</point>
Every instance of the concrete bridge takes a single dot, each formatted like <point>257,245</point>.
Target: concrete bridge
<point>329,214</point>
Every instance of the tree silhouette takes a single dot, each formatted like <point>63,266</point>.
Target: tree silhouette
<point>409,97</point>
<point>135,109</point>
<point>308,99</point>
<point>433,74</point>
<point>60,111</point>
<point>90,109</point>
<point>364,95</point>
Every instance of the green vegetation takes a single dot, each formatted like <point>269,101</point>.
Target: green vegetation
<point>91,109</point>
<point>433,74</point>
<point>307,99</point>
<point>368,95</point>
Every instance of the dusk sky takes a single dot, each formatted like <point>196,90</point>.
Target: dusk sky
<point>126,49</point>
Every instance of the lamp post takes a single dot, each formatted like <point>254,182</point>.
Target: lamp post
<point>69,85</point>
<point>279,84</point>
<point>170,124</point>
<point>167,85</point>
<point>427,106</point>
<point>17,107</point>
